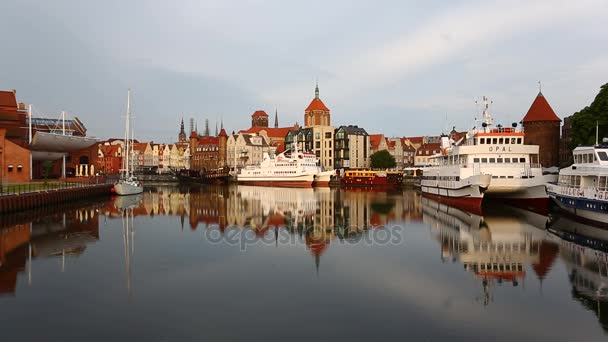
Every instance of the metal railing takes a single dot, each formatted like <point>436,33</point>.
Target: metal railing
<point>23,188</point>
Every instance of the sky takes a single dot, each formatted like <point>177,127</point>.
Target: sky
<point>402,68</point>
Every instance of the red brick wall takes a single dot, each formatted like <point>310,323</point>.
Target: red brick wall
<point>546,135</point>
<point>15,155</point>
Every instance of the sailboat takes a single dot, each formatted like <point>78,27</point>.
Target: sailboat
<point>128,183</point>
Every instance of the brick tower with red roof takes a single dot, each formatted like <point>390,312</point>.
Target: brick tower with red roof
<point>541,126</point>
<point>317,113</point>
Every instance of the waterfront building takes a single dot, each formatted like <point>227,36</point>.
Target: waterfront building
<point>14,156</point>
<point>542,126</point>
<point>245,149</point>
<point>207,152</point>
<point>351,148</point>
<point>424,154</point>
<point>109,158</point>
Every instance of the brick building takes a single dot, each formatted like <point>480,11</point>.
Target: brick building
<point>14,156</point>
<point>208,152</point>
<point>542,126</point>
<point>565,152</point>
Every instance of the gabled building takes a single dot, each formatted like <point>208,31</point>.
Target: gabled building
<point>424,154</point>
<point>351,148</point>
<point>245,149</point>
<point>14,156</point>
<point>541,126</point>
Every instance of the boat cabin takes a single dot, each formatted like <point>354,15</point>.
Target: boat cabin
<point>591,155</point>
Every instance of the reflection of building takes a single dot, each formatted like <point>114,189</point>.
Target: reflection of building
<point>496,248</point>
<point>58,235</point>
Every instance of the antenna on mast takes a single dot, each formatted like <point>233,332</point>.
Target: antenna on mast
<point>597,130</point>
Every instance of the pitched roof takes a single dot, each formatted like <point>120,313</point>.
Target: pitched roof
<point>415,140</point>
<point>208,140</point>
<point>259,113</point>
<point>316,104</point>
<point>429,147</point>
<point>540,111</point>
<point>375,139</point>
<point>353,130</point>
<point>223,133</point>
<point>272,132</point>
<point>8,100</point>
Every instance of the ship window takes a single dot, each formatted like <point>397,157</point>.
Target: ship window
<point>514,160</point>
<point>475,160</point>
<point>507,141</point>
<point>602,155</point>
<point>522,160</point>
<point>484,160</point>
<point>482,141</point>
<point>500,141</point>
<point>494,141</point>
<point>519,140</point>
<point>492,160</point>
<point>499,160</point>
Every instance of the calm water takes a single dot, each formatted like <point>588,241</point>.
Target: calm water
<point>251,263</point>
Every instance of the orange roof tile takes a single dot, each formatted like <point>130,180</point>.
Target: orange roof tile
<point>317,104</point>
<point>540,111</point>
<point>223,133</point>
<point>375,139</point>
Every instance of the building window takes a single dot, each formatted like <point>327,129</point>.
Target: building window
<point>317,136</point>
<point>19,168</point>
<point>10,168</point>
<point>318,144</point>
<point>327,135</point>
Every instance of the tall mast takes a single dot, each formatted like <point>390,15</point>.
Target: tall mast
<point>125,159</point>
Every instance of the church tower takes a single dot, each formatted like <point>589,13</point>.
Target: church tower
<point>182,133</point>
<point>316,114</point>
<point>541,126</point>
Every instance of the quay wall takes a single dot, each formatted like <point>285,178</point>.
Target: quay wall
<point>31,200</point>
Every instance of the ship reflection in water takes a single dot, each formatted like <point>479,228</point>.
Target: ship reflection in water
<point>172,253</point>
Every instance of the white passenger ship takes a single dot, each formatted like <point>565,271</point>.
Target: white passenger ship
<point>582,188</point>
<point>289,169</point>
<point>491,161</point>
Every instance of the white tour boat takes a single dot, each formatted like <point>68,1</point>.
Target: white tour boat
<point>490,160</point>
<point>289,169</point>
<point>582,188</point>
<point>128,184</point>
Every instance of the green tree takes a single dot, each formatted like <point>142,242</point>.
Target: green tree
<point>584,121</point>
<point>383,160</point>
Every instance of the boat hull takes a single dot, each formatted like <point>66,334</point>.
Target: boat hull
<point>125,189</point>
<point>466,194</point>
<point>302,181</point>
<point>377,181</point>
<point>323,178</point>
<point>589,210</point>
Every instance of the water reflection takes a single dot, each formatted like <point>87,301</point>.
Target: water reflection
<point>497,247</point>
<point>584,250</point>
<point>44,234</point>
<point>489,258</point>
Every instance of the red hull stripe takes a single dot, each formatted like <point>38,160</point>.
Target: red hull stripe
<point>321,184</point>
<point>470,204</point>
<point>287,184</point>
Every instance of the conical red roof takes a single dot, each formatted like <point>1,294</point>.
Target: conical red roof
<point>317,104</point>
<point>540,111</point>
<point>223,133</point>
